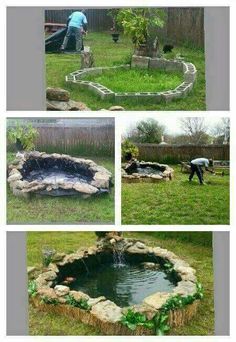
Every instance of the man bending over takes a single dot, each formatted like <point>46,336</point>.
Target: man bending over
<point>197,166</point>
<point>76,26</point>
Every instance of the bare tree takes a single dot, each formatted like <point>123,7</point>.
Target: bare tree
<point>221,131</point>
<point>195,129</point>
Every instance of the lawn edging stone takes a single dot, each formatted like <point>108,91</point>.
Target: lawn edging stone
<point>188,69</point>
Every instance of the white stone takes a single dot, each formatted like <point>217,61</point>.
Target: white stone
<point>61,290</point>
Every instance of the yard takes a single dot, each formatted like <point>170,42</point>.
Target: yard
<point>177,201</point>
<point>107,53</point>
<point>194,247</point>
<point>61,210</point>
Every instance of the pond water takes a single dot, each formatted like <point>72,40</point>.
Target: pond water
<point>148,170</point>
<point>122,283</point>
<point>55,176</point>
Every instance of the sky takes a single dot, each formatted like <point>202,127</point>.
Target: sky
<point>172,124</point>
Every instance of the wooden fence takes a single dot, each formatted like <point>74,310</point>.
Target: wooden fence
<point>177,153</point>
<point>184,25</point>
<point>86,140</point>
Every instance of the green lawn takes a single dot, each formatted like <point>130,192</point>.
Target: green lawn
<point>194,247</point>
<point>61,210</point>
<point>107,53</point>
<point>138,80</point>
<point>177,201</point>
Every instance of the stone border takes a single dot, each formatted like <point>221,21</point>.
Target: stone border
<point>105,314</point>
<point>134,177</point>
<point>100,182</point>
<point>189,72</point>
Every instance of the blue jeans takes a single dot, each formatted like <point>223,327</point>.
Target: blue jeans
<point>78,38</point>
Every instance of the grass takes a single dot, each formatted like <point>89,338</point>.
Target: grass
<point>177,201</point>
<point>137,80</point>
<point>61,210</point>
<point>189,246</point>
<point>107,53</point>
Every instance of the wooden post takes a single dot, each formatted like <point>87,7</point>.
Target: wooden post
<point>87,59</point>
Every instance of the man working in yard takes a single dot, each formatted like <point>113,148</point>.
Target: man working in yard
<point>77,26</point>
<point>197,166</point>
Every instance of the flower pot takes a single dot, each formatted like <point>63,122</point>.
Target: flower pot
<point>115,37</point>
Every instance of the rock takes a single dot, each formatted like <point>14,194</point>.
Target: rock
<point>31,269</point>
<point>140,245</point>
<point>87,59</point>
<point>101,180</point>
<point>116,108</point>
<point>150,265</point>
<point>53,267</point>
<point>57,94</point>
<point>185,288</point>
<point>94,301</point>
<point>41,282</point>
<point>66,106</point>
<point>157,299</point>
<point>58,257</point>
<point>143,308</point>
<point>14,177</point>
<point>49,275</point>
<point>13,172</point>
<point>107,311</point>
<point>47,292</point>
<point>79,295</point>
<point>85,188</point>
<point>61,290</point>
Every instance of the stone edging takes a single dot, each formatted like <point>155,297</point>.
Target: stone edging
<point>104,313</point>
<point>189,72</point>
<point>134,177</point>
<point>20,187</point>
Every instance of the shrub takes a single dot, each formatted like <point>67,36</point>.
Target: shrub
<point>23,136</point>
<point>32,288</point>
<point>129,150</point>
<point>82,303</point>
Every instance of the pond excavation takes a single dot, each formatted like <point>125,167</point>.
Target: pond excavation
<point>106,284</point>
<point>140,171</point>
<point>56,175</point>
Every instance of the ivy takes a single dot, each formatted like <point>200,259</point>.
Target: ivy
<point>32,288</point>
<point>159,323</point>
<point>81,303</point>
<point>48,300</point>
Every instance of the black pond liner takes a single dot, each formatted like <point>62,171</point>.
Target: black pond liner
<point>53,170</point>
<point>125,284</point>
<point>54,41</point>
<point>144,168</point>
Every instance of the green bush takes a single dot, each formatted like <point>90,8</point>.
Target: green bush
<point>129,150</point>
<point>82,303</point>
<point>23,135</point>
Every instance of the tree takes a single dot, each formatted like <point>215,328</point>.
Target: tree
<point>196,130</point>
<point>147,131</point>
<point>221,131</point>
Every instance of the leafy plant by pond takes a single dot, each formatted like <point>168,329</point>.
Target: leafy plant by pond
<point>32,288</point>
<point>129,150</point>
<point>81,303</point>
<point>47,255</point>
<point>159,323</point>
<point>47,300</point>
<point>23,136</point>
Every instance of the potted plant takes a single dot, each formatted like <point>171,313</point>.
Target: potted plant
<point>22,136</point>
<point>115,29</point>
<point>141,25</point>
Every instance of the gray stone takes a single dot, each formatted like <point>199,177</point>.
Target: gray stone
<point>107,311</point>
<point>61,290</point>
<point>78,295</point>
<point>185,288</point>
<point>94,301</point>
<point>47,292</point>
<point>140,62</point>
<point>157,299</point>
<point>31,269</point>
<point>57,94</point>
<point>49,275</point>
<point>116,108</point>
<point>85,188</point>
<point>14,177</point>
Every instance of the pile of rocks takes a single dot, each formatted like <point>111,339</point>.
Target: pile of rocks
<point>105,314</point>
<point>59,99</point>
<point>99,181</point>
